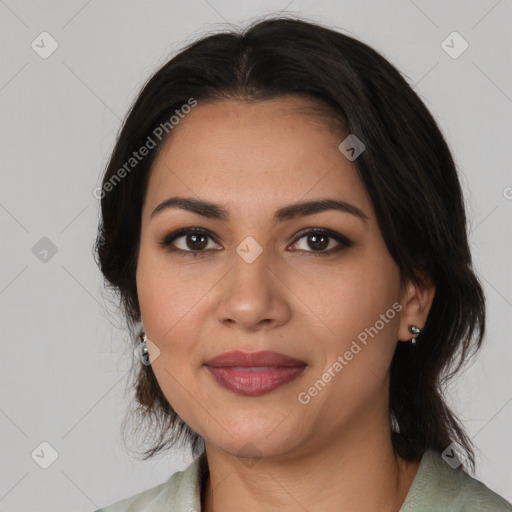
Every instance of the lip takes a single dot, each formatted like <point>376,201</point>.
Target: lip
<point>254,373</point>
<point>252,359</point>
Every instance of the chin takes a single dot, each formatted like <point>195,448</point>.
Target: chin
<point>254,444</point>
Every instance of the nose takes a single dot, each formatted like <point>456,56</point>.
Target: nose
<point>253,296</point>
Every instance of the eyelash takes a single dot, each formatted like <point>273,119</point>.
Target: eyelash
<point>341,239</point>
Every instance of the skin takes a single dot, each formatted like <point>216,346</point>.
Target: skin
<point>273,452</point>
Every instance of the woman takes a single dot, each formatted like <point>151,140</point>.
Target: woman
<point>284,217</point>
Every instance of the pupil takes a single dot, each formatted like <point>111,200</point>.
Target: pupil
<point>194,239</point>
<point>315,239</point>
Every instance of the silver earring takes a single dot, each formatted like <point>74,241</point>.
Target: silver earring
<point>394,424</point>
<point>414,329</point>
<point>144,353</point>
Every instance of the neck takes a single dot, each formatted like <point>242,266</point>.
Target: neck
<point>358,471</point>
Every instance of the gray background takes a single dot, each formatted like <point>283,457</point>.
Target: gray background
<point>65,355</point>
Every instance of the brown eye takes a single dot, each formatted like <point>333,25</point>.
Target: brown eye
<point>190,240</point>
<point>318,241</point>
<point>196,242</point>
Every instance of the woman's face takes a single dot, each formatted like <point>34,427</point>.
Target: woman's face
<point>259,283</point>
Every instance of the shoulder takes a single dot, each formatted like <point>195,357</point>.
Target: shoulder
<point>438,486</point>
<point>180,492</point>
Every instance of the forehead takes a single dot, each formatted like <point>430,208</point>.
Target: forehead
<point>274,151</point>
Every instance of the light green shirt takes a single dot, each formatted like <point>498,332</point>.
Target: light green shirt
<point>436,487</point>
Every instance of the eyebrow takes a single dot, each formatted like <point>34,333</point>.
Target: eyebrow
<point>215,211</point>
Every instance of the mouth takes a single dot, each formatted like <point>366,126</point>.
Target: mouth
<point>254,374</point>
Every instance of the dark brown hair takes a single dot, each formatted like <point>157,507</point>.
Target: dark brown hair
<point>406,168</point>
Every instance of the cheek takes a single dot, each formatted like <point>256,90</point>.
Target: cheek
<point>357,307</point>
<point>175,301</point>
<point>351,312</point>
<point>168,292</point>
<point>170,302</point>
<point>350,297</point>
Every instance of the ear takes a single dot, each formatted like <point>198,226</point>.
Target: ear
<point>416,300</point>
